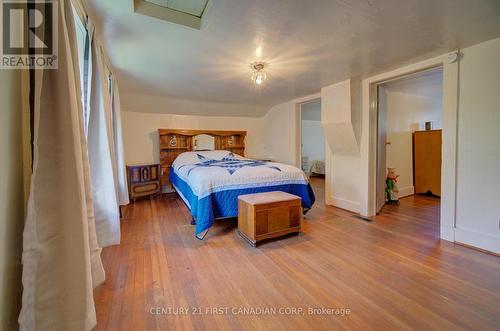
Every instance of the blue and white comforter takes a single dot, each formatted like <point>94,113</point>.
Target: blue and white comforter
<point>210,182</point>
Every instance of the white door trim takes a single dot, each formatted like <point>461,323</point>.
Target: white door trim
<point>298,125</point>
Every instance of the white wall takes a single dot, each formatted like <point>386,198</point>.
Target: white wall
<point>478,164</point>
<point>281,129</point>
<point>409,103</point>
<point>140,132</point>
<point>345,182</point>
<point>11,197</point>
<point>340,116</point>
<point>281,133</point>
<point>169,105</point>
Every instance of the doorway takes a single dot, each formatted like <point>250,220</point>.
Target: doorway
<point>312,146</point>
<point>409,123</point>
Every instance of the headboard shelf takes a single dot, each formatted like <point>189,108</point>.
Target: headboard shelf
<point>191,133</point>
<point>173,142</point>
<point>173,147</point>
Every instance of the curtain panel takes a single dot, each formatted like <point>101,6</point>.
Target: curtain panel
<point>77,183</point>
<point>61,257</point>
<point>101,151</point>
<point>121,173</point>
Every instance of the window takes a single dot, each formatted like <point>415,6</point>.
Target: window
<point>83,49</point>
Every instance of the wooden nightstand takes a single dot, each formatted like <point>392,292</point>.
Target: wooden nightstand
<point>143,180</point>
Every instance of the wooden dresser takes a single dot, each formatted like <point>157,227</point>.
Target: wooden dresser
<point>174,142</point>
<point>268,215</point>
<point>143,180</point>
<point>427,161</point>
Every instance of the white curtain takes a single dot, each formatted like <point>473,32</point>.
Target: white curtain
<point>102,151</point>
<point>61,258</point>
<point>121,175</point>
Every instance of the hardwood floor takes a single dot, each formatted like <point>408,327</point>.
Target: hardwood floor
<point>391,274</point>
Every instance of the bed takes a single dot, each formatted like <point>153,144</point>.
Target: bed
<point>317,168</point>
<point>209,182</point>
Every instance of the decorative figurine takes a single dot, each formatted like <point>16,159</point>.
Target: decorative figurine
<point>173,141</point>
<point>391,187</point>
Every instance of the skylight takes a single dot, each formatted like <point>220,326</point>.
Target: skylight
<point>190,7</point>
<point>184,12</point>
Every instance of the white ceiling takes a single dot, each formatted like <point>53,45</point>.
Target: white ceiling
<point>307,45</point>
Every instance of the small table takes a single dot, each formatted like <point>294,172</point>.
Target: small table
<point>268,215</point>
<point>143,180</point>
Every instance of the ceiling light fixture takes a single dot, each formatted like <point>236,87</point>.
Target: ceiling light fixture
<point>258,76</point>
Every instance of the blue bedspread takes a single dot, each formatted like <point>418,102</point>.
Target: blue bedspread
<point>210,183</point>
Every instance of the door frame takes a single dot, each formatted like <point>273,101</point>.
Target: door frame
<point>378,86</point>
<point>299,124</point>
<point>377,173</point>
<point>450,63</point>
<point>298,133</point>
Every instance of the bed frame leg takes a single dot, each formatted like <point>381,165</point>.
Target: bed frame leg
<point>193,221</point>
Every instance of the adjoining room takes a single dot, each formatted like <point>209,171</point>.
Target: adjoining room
<point>410,112</point>
<point>312,142</point>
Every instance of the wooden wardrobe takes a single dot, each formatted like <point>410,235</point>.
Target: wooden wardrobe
<point>427,161</point>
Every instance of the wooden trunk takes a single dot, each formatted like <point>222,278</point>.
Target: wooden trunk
<point>268,215</point>
<point>427,161</point>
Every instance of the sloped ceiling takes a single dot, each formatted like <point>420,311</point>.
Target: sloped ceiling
<point>307,45</point>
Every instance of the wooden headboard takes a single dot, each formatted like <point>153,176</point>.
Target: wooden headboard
<point>174,142</point>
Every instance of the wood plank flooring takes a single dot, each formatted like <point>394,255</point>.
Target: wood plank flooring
<point>389,274</point>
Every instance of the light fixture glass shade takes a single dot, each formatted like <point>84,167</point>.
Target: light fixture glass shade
<point>259,77</point>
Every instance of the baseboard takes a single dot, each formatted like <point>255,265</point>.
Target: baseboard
<point>345,204</point>
<point>406,191</point>
<point>477,239</point>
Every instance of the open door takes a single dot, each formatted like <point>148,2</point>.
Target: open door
<point>381,148</point>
